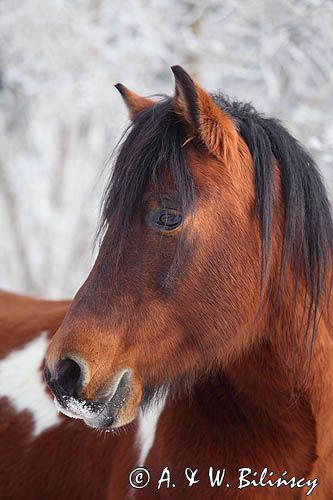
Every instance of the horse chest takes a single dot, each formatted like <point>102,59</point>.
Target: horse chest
<point>189,445</point>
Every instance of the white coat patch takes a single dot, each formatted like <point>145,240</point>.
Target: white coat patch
<point>20,382</point>
<point>147,428</point>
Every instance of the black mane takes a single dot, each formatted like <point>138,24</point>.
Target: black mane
<point>154,142</point>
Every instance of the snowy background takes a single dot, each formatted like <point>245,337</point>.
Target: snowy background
<point>60,115</point>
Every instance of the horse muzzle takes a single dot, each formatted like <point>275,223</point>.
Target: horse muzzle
<point>67,385</point>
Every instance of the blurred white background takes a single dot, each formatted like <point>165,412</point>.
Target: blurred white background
<point>60,115</point>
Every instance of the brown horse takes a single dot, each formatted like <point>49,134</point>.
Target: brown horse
<point>211,290</point>
<point>43,454</point>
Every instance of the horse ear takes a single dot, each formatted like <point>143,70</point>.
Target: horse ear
<point>203,117</point>
<point>134,102</point>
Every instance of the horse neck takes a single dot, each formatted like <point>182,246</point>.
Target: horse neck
<point>272,384</point>
<point>277,368</point>
<point>273,390</point>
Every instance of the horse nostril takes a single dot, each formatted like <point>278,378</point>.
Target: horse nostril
<point>68,377</point>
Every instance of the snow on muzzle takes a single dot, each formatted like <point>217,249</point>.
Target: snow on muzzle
<point>101,413</point>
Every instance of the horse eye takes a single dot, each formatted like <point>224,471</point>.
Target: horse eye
<point>167,220</point>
